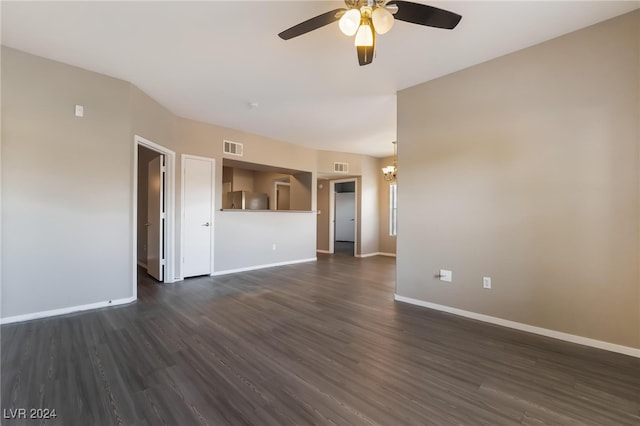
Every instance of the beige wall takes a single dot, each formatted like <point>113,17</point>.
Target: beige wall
<point>243,180</point>
<point>325,160</point>
<point>66,186</point>
<point>153,121</point>
<point>300,194</point>
<point>322,225</point>
<point>386,242</point>
<point>206,139</point>
<point>368,206</point>
<point>525,169</point>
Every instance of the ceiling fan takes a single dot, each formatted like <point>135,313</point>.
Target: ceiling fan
<point>365,18</point>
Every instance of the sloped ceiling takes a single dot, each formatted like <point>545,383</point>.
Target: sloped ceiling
<point>210,60</point>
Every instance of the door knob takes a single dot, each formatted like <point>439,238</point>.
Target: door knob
<point>206,224</point>
<point>147,224</point>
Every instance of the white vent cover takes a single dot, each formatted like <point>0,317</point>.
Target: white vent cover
<point>233,148</point>
<point>341,167</point>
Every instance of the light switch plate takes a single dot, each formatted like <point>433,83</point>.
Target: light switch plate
<point>486,282</point>
<point>446,275</point>
<point>79,111</point>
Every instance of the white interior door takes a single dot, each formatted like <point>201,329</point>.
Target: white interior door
<point>155,219</point>
<point>197,251</point>
<point>345,216</point>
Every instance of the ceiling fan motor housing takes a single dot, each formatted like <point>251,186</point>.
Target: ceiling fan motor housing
<point>352,4</point>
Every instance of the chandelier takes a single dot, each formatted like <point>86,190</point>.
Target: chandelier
<point>391,171</point>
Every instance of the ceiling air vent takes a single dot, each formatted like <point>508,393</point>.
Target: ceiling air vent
<point>341,167</point>
<point>233,148</point>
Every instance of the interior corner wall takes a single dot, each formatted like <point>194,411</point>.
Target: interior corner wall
<point>65,239</point>
<point>368,206</point>
<point>386,242</point>
<point>638,137</point>
<point>301,188</point>
<point>526,169</point>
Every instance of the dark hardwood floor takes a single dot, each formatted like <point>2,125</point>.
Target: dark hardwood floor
<point>343,247</point>
<point>316,343</point>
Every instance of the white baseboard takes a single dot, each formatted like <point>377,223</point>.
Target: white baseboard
<point>366,255</point>
<point>386,254</point>
<point>323,251</point>
<point>376,254</point>
<point>525,327</point>
<point>63,311</point>
<point>269,265</point>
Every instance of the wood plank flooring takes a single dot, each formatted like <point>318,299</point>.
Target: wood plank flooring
<point>309,344</point>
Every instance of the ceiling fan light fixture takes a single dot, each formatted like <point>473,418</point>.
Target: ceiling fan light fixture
<point>367,18</point>
<point>350,22</point>
<point>382,20</point>
<point>364,36</point>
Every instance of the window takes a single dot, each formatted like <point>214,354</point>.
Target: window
<point>393,209</point>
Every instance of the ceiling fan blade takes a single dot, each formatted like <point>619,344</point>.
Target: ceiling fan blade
<point>422,14</point>
<point>312,24</point>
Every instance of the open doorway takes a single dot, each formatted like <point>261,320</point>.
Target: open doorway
<point>343,229</point>
<point>153,231</point>
<point>283,195</point>
<point>151,212</point>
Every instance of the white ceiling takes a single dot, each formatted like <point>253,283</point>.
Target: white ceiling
<point>209,60</point>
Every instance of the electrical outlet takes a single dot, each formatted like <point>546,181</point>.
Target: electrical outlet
<point>446,275</point>
<point>486,282</point>
<point>274,246</point>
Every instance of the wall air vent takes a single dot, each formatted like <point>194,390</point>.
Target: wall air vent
<point>232,148</point>
<point>341,167</point>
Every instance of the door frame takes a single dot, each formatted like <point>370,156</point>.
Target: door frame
<point>183,159</point>
<point>155,223</point>
<point>332,214</point>
<point>169,226</point>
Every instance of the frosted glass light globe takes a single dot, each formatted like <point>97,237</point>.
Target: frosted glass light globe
<point>364,37</point>
<point>350,22</point>
<point>382,20</point>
